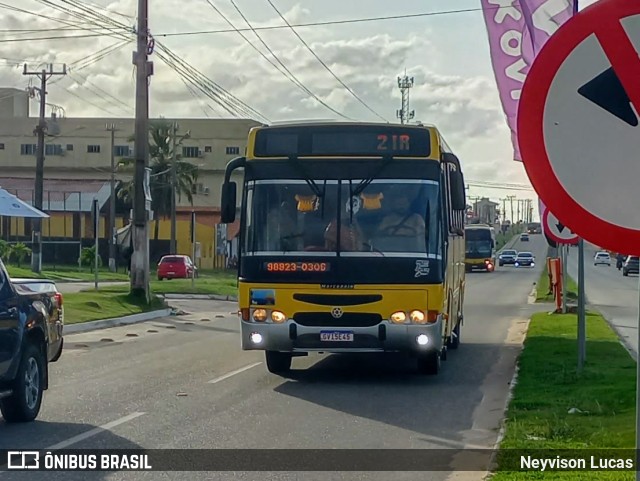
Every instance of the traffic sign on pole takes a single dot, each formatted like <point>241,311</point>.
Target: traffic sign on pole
<point>577,127</point>
<point>557,231</point>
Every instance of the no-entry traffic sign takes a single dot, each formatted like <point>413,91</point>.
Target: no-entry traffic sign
<point>557,231</point>
<point>577,127</point>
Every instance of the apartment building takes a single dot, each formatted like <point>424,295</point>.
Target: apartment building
<point>78,169</point>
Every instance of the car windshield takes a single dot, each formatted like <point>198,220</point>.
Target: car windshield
<point>171,260</point>
<point>525,254</point>
<point>387,217</point>
<point>509,253</point>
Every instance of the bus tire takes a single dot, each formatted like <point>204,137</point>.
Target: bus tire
<point>455,337</point>
<point>278,362</point>
<point>429,363</point>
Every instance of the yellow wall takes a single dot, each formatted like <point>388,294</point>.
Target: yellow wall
<point>205,234</point>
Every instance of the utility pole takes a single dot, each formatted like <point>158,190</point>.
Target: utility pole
<point>404,114</point>
<point>174,184</point>
<point>510,199</point>
<point>43,75</point>
<point>142,201</point>
<point>112,202</point>
<point>173,247</point>
<point>504,210</point>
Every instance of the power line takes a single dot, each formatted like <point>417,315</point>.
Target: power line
<point>64,37</point>
<point>276,66</point>
<point>116,102</point>
<point>324,64</point>
<point>47,17</point>
<point>207,86</point>
<point>333,22</point>
<point>298,82</point>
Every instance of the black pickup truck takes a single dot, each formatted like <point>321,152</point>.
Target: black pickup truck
<point>31,322</point>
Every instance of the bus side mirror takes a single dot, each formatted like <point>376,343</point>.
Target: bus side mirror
<point>458,200</point>
<point>228,203</point>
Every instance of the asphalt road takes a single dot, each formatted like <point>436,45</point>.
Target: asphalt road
<point>608,291</point>
<point>183,382</point>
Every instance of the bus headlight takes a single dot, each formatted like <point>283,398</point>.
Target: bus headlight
<point>398,317</point>
<point>417,317</point>
<point>279,317</point>
<point>256,338</point>
<point>260,315</point>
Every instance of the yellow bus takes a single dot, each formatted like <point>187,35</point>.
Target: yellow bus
<point>351,240</point>
<point>480,245</point>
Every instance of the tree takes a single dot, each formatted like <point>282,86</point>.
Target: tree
<point>88,257</point>
<point>19,252</point>
<point>160,160</point>
<point>5,249</point>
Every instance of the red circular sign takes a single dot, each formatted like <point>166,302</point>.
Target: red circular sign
<point>554,233</point>
<point>530,126</point>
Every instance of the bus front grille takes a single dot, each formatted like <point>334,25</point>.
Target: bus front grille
<point>348,319</point>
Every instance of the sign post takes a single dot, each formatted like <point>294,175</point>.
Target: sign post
<point>193,247</point>
<point>96,231</point>
<point>579,107</point>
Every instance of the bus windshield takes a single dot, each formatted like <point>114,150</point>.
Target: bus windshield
<point>390,217</point>
<point>479,243</point>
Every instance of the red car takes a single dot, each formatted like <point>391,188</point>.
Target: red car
<point>176,267</point>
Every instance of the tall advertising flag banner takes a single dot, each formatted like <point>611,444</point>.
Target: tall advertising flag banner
<point>517,31</point>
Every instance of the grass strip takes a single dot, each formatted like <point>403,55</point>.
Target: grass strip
<point>542,287</point>
<point>549,386</point>
<point>93,305</point>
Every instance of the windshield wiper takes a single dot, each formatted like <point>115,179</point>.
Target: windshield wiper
<point>365,183</point>
<point>305,176</point>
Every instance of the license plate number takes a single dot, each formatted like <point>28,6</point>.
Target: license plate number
<point>336,336</point>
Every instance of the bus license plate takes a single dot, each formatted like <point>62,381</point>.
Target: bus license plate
<point>336,336</point>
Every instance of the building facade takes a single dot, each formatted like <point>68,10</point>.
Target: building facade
<point>78,170</point>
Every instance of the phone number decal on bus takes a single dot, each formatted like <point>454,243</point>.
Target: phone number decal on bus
<point>297,266</point>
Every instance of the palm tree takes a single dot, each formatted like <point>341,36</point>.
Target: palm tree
<point>160,160</point>
<point>19,252</point>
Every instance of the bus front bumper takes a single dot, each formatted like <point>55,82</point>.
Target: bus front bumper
<point>384,337</point>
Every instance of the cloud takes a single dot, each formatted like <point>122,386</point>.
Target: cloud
<point>465,107</point>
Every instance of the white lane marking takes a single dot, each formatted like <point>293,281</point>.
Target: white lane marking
<point>95,431</point>
<point>233,373</point>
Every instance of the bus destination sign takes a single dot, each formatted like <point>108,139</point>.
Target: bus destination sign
<point>331,141</point>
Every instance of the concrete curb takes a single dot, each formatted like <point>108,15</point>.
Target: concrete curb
<point>115,322</point>
<point>211,297</point>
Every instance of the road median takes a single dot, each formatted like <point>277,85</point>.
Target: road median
<point>87,306</point>
<point>554,409</point>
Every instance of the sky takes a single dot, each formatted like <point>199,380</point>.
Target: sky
<point>446,54</point>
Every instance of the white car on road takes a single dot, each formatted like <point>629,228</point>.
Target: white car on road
<point>602,258</point>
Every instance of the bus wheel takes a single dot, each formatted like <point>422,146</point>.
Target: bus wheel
<point>455,337</point>
<point>429,363</point>
<point>278,362</point>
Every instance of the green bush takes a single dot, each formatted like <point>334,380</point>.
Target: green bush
<point>87,257</point>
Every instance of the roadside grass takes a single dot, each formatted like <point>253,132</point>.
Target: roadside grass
<point>542,288</point>
<point>111,301</point>
<point>222,283</point>
<point>104,304</point>
<point>549,385</point>
<point>66,273</point>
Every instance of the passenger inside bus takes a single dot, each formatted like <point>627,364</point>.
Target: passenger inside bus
<point>351,239</point>
<point>401,229</point>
